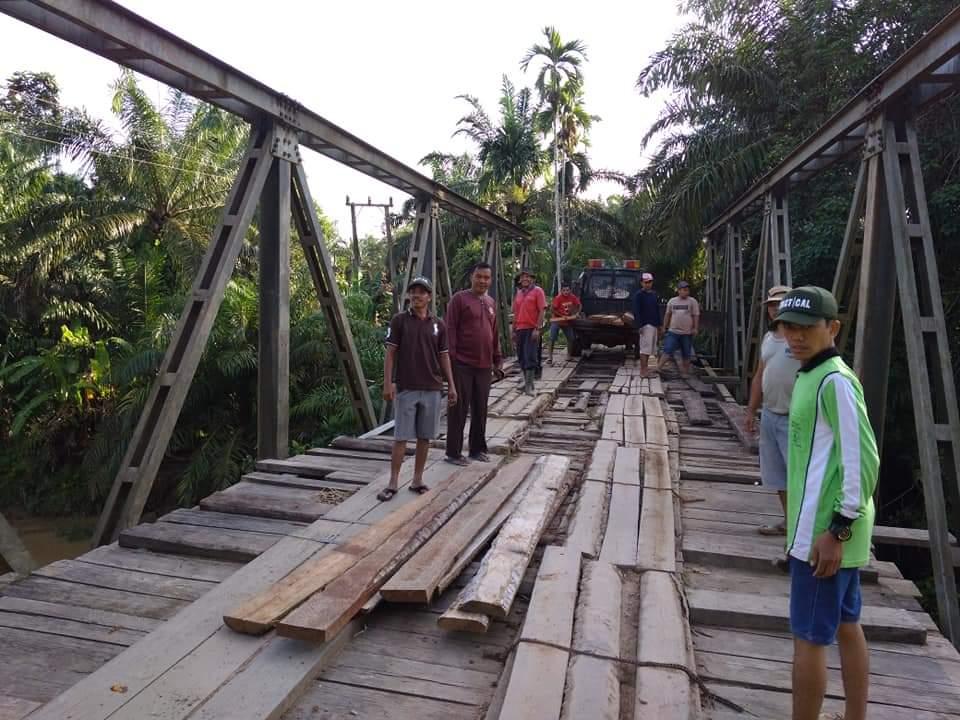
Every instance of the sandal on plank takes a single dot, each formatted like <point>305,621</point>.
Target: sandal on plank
<point>418,489</point>
<point>386,494</point>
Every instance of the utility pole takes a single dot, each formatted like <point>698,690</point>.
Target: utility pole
<point>354,271</point>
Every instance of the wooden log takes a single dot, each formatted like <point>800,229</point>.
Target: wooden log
<point>494,587</point>
<point>535,687</point>
<point>764,612</point>
<point>259,613</point>
<point>663,638</point>
<point>696,410</point>
<point>736,416</point>
<point>417,581</point>
<point>322,616</point>
<point>455,619</point>
<point>593,686</point>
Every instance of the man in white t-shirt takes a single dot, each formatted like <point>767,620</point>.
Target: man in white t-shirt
<point>772,387</point>
<point>682,323</point>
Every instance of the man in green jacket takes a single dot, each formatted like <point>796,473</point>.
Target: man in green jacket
<point>831,476</point>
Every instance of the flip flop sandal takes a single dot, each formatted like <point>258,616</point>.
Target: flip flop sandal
<point>418,489</point>
<point>386,494</point>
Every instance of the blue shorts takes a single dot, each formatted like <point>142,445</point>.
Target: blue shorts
<point>673,342</point>
<point>819,605</point>
<point>773,450</point>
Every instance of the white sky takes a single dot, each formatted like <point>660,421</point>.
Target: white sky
<point>387,71</point>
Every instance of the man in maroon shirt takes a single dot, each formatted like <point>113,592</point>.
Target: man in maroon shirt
<point>417,349</point>
<point>474,346</point>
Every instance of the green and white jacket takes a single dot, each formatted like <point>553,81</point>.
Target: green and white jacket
<point>833,463</point>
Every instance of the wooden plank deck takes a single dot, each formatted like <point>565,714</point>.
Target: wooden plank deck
<point>68,620</point>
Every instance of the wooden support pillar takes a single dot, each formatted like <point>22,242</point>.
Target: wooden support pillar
<point>421,258</point>
<point>846,281</point>
<point>498,287</point>
<point>781,263</point>
<point>391,262</point>
<point>134,480</point>
<point>324,278</point>
<point>713,274</point>
<point>734,299</point>
<point>273,370</point>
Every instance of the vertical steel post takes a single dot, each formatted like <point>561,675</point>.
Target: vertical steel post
<point>138,469</point>
<point>273,349</point>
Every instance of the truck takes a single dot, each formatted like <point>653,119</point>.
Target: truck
<point>606,294</point>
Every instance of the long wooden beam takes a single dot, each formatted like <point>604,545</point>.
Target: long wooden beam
<point>111,31</point>
<point>923,74</point>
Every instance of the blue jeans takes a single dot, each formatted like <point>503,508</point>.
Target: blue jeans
<point>556,329</point>
<point>819,605</point>
<point>673,342</point>
<point>528,350</point>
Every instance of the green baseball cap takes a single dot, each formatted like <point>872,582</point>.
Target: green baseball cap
<point>806,305</point>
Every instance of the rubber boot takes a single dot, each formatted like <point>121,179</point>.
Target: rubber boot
<point>528,388</point>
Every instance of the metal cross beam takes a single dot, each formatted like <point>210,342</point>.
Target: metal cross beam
<point>925,73</point>
<point>113,32</point>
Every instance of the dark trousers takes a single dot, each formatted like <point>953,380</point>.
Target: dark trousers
<point>473,394</point>
<point>528,350</point>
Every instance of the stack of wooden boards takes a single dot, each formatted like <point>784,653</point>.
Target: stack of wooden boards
<point>606,627</point>
<point>415,552</point>
<point>513,511</point>
<point>627,381</point>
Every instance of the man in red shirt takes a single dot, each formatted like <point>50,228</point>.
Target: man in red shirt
<point>564,308</point>
<point>529,306</point>
<point>474,346</point>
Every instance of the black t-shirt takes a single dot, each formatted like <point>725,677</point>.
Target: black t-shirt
<point>419,343</point>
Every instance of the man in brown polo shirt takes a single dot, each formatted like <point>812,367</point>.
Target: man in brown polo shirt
<point>475,349</point>
<point>417,348</point>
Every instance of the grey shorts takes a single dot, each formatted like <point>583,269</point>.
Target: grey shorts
<point>417,415</point>
<point>773,449</point>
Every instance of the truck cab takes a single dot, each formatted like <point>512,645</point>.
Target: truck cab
<point>606,294</point>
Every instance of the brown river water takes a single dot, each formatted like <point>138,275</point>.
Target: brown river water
<point>50,539</point>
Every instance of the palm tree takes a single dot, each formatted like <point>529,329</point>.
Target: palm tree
<point>559,68</point>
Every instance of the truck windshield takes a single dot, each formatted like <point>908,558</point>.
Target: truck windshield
<point>607,286</point>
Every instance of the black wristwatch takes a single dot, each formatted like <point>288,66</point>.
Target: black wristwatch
<point>840,527</point>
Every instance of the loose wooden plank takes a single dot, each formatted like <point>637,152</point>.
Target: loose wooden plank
<point>284,503</point>
<point>298,481</point>
<point>307,465</point>
<point>231,521</point>
<point>366,455</point>
<point>495,586</point>
<point>120,579</point>
<point>218,543</point>
<point>582,403</point>
<point>656,431</point>
<point>689,471</point>
<point>340,700</point>
<point>323,615</point>
<point>549,617</point>
<point>699,387</point>
<point>14,708</point>
<point>620,540</point>
<point>601,463</point>
<point>656,543</point>
<point>148,562</point>
<point>88,596</point>
<point>74,613</point>
<point>419,578</point>
<point>593,683</point>
<point>736,416</point>
<point>663,638</point>
<point>408,682</point>
<point>696,410</point>
<point>626,468</point>
<point>535,688</point>
<point>633,407</point>
<point>586,525</point>
<point>262,611</point>
<point>910,537</point>
<point>612,427</point>
<point>377,445</point>
<point>656,468</point>
<point>652,406</point>
<point>70,629</point>
<point>455,619</point>
<point>758,612</point>
<point>633,431</point>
